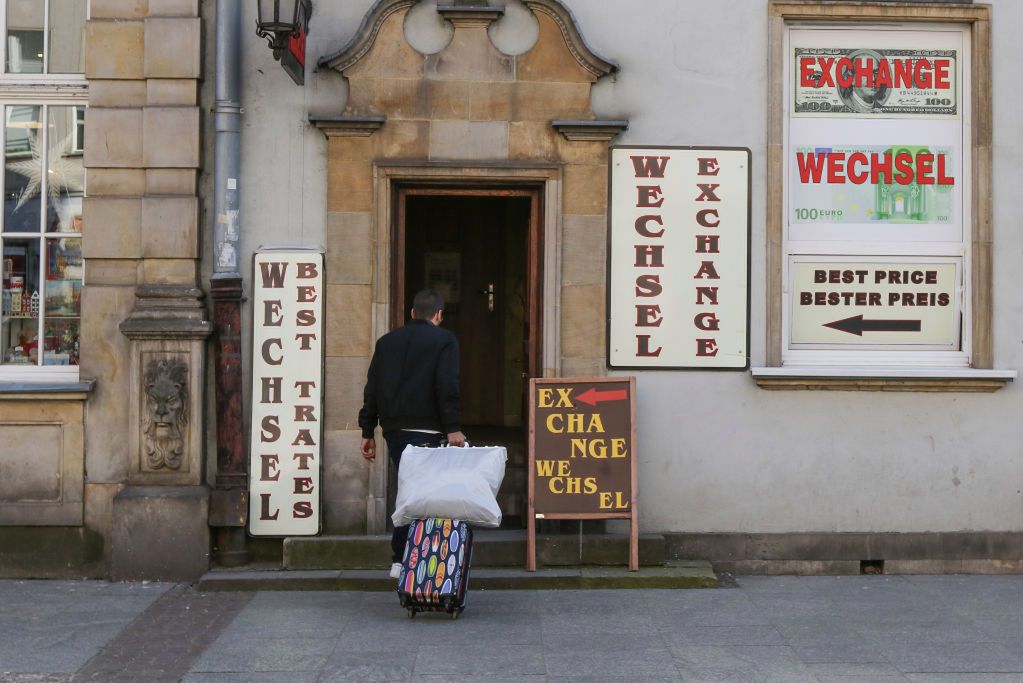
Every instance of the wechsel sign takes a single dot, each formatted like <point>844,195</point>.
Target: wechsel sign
<point>861,303</point>
<point>582,453</point>
<point>678,283</point>
<point>287,393</point>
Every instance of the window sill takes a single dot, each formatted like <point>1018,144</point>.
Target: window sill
<point>10,391</point>
<point>810,378</point>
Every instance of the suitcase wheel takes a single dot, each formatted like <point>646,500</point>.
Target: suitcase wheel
<point>455,613</point>
<point>411,612</point>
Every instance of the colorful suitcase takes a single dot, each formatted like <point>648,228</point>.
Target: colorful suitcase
<point>435,569</point>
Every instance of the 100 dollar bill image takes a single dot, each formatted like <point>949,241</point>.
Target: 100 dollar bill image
<point>872,184</point>
<point>875,82</point>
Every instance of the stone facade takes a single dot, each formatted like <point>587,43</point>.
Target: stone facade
<point>468,111</point>
<point>141,303</point>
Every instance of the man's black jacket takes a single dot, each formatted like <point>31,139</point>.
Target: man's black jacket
<point>413,381</point>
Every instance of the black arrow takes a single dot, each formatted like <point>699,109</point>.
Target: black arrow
<point>857,325</point>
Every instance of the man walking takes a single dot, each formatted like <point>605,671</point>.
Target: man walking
<point>412,390</point>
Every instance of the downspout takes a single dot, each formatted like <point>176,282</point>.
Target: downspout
<point>229,502</point>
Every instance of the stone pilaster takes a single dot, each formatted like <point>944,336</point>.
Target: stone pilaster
<point>144,63</point>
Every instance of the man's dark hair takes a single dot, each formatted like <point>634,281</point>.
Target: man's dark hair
<point>426,304</point>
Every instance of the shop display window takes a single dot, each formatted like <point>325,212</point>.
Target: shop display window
<point>41,238</point>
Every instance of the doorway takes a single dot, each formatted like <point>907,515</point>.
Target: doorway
<point>480,248</point>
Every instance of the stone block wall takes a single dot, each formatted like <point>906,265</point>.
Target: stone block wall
<point>141,217</point>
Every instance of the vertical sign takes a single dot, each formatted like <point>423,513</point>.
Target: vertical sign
<point>287,393</point>
<point>678,281</point>
<point>582,454</point>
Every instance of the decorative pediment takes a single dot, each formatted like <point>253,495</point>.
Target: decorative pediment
<point>554,11</point>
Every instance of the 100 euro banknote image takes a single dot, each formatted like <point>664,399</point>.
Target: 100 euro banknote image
<point>875,82</point>
<point>872,184</point>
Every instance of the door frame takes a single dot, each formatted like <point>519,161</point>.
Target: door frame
<point>546,180</point>
<point>534,252</point>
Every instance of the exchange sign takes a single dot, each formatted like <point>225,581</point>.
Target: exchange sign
<point>844,81</point>
<point>679,257</point>
<point>287,393</point>
<point>582,453</point>
<point>871,303</point>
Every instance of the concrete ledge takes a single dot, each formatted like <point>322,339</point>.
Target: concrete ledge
<point>815,553</point>
<point>490,549</point>
<point>33,552</point>
<point>681,575</point>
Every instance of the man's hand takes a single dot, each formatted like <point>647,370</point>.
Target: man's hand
<point>369,449</point>
<point>456,439</point>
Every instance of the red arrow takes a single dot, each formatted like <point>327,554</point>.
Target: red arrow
<point>593,397</point>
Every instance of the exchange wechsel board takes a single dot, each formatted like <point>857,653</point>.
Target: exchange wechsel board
<point>285,460</point>
<point>582,454</point>
<point>678,257</point>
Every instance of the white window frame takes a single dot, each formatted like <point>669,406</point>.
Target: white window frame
<point>881,356</point>
<point>44,90</point>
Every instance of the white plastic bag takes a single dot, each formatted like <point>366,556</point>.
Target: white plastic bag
<point>460,483</point>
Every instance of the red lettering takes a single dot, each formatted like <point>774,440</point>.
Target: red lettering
<point>264,508</point>
<point>708,166</point>
<point>708,322</point>
<point>707,244</point>
<point>811,165</point>
<point>648,315</point>
<point>707,270</point>
<point>649,256</point>
<point>643,221</point>
<point>701,218</point>
<point>648,285</point>
<point>643,347</point>
<point>648,196</point>
<point>711,294</point>
<point>649,167</point>
<point>706,347</point>
<point>856,159</point>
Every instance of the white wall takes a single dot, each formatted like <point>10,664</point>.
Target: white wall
<point>716,452</point>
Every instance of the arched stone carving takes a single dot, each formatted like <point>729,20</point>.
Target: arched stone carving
<point>558,12</point>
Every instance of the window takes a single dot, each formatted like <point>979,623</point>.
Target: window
<point>878,198</point>
<point>43,185</point>
<point>876,254</point>
<point>44,36</point>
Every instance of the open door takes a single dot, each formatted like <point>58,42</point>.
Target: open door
<point>480,248</point>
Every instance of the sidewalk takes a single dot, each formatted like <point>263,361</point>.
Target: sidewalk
<point>785,629</point>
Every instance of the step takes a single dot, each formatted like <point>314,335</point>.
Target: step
<point>678,575</point>
<point>491,548</point>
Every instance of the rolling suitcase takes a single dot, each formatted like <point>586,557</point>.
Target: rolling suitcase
<point>435,569</point>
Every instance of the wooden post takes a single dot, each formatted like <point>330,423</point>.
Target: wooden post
<point>530,462</point>
<point>634,519</point>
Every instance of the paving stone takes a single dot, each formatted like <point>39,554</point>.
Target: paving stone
<point>456,660</point>
<point>166,638</point>
<point>745,663</point>
<point>279,654</point>
<point>760,631</point>
<point>368,667</point>
<point>847,673</point>
<point>688,634</point>
<point>954,658</point>
<point>627,662</point>
<point>253,677</point>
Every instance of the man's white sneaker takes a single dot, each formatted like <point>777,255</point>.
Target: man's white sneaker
<point>396,570</point>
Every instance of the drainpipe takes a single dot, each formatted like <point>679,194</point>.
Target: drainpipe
<point>229,502</point>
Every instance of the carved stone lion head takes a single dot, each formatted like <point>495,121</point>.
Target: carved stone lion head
<point>166,413</point>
